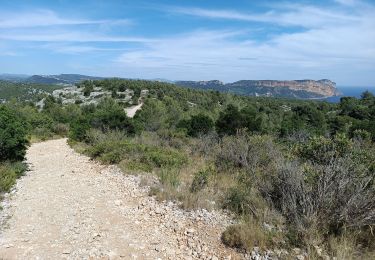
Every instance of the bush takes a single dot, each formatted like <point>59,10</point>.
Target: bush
<point>335,192</point>
<point>109,115</point>
<point>169,177</point>
<point>9,172</point>
<point>229,121</point>
<point>200,124</point>
<point>114,146</point>
<point>42,133</point>
<point>78,129</point>
<point>13,139</point>
<point>163,157</point>
<point>322,150</point>
<point>246,235</point>
<point>200,180</point>
<point>244,200</point>
<point>233,237</point>
<point>60,129</point>
<point>251,153</point>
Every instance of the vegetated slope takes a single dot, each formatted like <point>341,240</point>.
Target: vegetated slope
<point>59,79</point>
<point>268,160</point>
<point>70,207</point>
<point>305,89</point>
<point>271,88</point>
<point>24,91</point>
<point>13,77</point>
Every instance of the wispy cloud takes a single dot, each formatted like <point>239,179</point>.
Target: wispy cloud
<point>334,41</point>
<point>48,26</point>
<point>336,44</point>
<point>288,15</point>
<point>9,53</point>
<point>43,18</point>
<point>78,48</point>
<point>347,2</point>
<point>69,36</point>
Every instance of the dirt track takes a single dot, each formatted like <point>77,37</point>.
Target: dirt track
<point>68,207</point>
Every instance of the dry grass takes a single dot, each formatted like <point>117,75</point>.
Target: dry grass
<point>343,248</point>
<point>248,234</point>
<point>37,139</point>
<point>79,147</point>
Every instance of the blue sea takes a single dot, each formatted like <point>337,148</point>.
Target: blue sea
<point>350,92</point>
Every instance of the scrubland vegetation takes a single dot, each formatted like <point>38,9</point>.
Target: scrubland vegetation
<point>295,173</point>
<point>13,144</point>
<point>24,91</point>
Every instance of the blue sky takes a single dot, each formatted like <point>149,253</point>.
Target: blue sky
<point>191,40</point>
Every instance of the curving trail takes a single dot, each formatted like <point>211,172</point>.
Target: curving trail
<point>69,207</point>
<point>130,111</point>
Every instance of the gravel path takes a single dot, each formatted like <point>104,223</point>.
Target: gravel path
<point>69,207</point>
<point>130,111</point>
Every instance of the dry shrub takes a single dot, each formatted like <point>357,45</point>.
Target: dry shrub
<point>332,187</point>
<point>61,129</point>
<point>206,144</point>
<point>338,197</point>
<point>254,154</point>
<point>247,235</point>
<point>148,138</point>
<point>343,247</point>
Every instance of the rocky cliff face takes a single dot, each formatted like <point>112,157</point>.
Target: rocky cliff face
<point>277,88</point>
<point>324,87</point>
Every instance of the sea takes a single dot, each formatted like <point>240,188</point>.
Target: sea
<point>350,92</point>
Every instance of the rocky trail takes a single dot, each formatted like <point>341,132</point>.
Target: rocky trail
<point>69,207</point>
<point>130,111</point>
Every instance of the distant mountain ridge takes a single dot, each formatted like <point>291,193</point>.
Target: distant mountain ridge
<point>306,89</point>
<point>59,79</point>
<point>271,88</point>
<point>13,77</point>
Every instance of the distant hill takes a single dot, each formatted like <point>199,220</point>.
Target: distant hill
<point>24,91</point>
<point>305,89</point>
<point>270,88</point>
<point>62,79</point>
<point>13,77</point>
<point>59,79</point>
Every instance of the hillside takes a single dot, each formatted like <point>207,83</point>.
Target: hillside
<point>13,77</point>
<point>285,168</point>
<point>270,88</point>
<point>300,89</point>
<point>59,79</point>
<point>24,91</point>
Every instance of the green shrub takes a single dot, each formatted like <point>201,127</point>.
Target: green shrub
<point>78,129</point>
<point>239,200</point>
<point>42,133</point>
<point>88,88</point>
<point>229,121</point>
<point>169,177</point>
<point>200,180</point>
<point>246,235</point>
<point>13,139</point>
<point>163,157</point>
<point>322,150</point>
<point>233,237</point>
<point>109,115</point>
<point>362,135</point>
<point>200,124</point>
<point>112,157</point>
<point>9,172</point>
<point>244,199</point>
<point>133,165</point>
<point>111,147</point>
<point>60,129</point>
